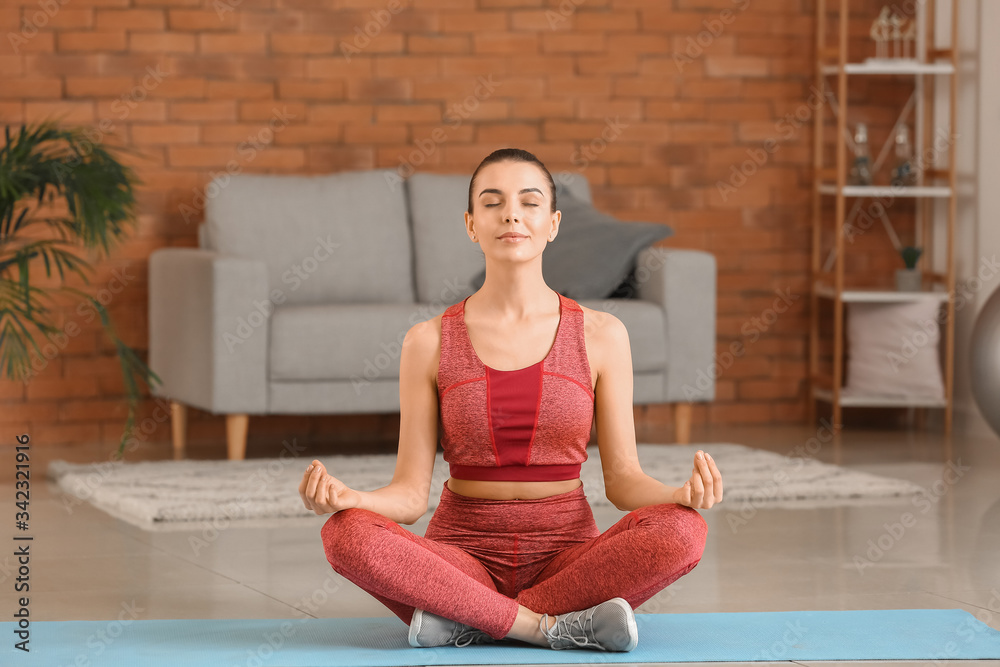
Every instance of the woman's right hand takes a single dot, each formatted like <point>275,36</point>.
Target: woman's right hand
<point>323,493</point>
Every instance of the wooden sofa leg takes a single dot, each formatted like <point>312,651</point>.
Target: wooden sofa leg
<point>682,423</point>
<point>178,428</point>
<point>236,436</point>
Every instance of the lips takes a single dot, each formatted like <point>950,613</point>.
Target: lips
<point>510,235</point>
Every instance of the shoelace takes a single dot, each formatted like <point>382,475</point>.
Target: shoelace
<point>565,625</point>
<point>465,635</point>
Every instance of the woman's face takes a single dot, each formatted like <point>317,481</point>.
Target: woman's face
<point>512,210</point>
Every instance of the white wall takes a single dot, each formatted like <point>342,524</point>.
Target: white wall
<point>977,237</point>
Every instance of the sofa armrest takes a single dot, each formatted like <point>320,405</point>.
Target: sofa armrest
<point>208,329</point>
<point>682,282</point>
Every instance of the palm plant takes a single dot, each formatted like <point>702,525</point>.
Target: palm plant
<point>46,169</point>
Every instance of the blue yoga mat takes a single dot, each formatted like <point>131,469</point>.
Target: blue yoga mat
<point>893,634</point>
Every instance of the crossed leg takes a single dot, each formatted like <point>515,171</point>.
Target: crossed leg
<point>643,553</point>
<point>405,571</point>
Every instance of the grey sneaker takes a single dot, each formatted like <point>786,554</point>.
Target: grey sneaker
<point>427,629</point>
<point>608,626</point>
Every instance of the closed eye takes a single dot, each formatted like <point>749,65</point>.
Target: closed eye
<point>526,204</point>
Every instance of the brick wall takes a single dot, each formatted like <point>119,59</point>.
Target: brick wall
<point>696,87</point>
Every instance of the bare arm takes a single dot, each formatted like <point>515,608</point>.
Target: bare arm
<point>404,499</point>
<point>625,484</point>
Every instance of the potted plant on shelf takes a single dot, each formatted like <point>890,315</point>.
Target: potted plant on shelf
<point>908,279</point>
<point>58,191</point>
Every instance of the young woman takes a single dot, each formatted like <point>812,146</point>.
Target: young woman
<point>512,550</point>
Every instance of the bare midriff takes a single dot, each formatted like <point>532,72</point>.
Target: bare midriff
<point>512,490</point>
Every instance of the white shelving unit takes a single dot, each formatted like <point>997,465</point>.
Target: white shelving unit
<point>932,68</point>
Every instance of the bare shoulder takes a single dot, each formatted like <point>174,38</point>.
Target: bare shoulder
<point>603,333</point>
<point>423,342</point>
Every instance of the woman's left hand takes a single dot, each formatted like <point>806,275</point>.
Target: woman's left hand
<point>704,489</point>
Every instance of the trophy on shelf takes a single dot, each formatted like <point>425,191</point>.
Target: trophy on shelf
<point>901,33</point>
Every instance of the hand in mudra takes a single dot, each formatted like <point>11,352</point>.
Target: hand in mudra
<point>704,489</point>
<point>323,493</point>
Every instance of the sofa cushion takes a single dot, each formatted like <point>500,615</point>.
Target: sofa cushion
<point>360,342</point>
<point>341,237</point>
<point>593,253</point>
<point>446,259</point>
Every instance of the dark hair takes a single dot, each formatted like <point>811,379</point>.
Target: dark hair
<point>513,155</point>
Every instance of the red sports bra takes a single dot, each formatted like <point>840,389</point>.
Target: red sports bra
<point>529,424</point>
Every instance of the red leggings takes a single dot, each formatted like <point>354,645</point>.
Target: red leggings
<point>480,558</point>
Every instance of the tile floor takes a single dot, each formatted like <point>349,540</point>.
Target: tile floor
<point>88,565</point>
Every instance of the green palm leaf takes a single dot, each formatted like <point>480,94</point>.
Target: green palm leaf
<point>43,164</point>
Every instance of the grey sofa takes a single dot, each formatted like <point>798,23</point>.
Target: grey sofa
<point>302,288</point>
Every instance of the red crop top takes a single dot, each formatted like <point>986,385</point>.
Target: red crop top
<point>529,424</point>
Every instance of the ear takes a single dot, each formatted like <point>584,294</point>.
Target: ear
<point>556,219</point>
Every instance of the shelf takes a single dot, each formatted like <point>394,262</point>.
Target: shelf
<point>888,190</point>
<point>891,66</point>
<point>879,296</point>
<point>869,401</point>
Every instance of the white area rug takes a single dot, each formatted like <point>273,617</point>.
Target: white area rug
<point>195,494</point>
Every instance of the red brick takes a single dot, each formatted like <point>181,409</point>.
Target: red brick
<point>232,43</point>
<point>211,111</point>
<point>201,20</point>
<point>165,134</point>
<point>310,90</point>
<point>473,21</point>
<point>606,20</point>
<point>578,87</point>
<point>168,42</point>
<point>446,44</point>
<point>506,43</point>
<point>575,42</point>
<point>130,19</point>
<point>542,20</point>
<point>302,43</point>
<point>30,88</point>
<point>388,67</point>
<point>105,40</point>
<point>98,86</point>
<point>67,112</point>
<point>357,133</point>
<point>240,90</point>
<point>408,113</point>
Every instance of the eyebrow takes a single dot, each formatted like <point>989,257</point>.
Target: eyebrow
<point>520,192</point>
